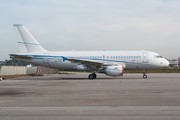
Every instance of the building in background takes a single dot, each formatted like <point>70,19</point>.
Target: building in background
<point>173,62</point>
<point>13,62</point>
<point>1,62</point>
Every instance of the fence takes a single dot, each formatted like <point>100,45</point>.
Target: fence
<point>45,70</point>
<point>21,70</point>
<point>17,70</point>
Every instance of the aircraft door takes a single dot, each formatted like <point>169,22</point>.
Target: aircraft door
<point>45,58</point>
<point>145,57</point>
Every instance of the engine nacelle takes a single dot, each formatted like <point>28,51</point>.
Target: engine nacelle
<point>114,70</point>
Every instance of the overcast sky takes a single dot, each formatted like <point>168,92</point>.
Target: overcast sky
<point>152,25</point>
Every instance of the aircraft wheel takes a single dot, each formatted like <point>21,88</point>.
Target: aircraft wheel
<point>144,76</point>
<point>91,76</point>
<point>94,75</point>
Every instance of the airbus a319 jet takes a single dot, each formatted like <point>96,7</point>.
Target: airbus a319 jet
<point>111,63</point>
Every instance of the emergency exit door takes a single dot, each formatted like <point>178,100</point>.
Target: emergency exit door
<point>145,57</point>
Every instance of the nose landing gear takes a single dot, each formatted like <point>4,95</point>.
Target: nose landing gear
<point>144,74</point>
<point>92,76</point>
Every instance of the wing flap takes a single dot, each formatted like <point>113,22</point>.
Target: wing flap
<point>86,62</point>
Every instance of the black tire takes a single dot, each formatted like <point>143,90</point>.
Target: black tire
<point>144,76</point>
<point>91,76</point>
<point>94,75</point>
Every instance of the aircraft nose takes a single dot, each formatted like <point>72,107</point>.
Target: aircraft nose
<point>166,63</point>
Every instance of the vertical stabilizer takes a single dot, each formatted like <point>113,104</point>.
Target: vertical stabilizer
<point>26,42</point>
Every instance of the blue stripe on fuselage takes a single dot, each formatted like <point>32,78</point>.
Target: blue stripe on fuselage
<point>42,56</point>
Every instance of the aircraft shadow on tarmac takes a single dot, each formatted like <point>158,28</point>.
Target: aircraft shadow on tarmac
<point>71,78</point>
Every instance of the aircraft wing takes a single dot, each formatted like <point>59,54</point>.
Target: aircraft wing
<point>20,56</point>
<point>86,62</point>
<point>94,64</point>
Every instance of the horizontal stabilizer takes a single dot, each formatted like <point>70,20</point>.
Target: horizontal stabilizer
<point>20,56</point>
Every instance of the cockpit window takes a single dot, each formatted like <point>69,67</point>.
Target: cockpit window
<point>158,56</point>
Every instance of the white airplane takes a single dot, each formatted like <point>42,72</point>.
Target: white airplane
<point>111,63</point>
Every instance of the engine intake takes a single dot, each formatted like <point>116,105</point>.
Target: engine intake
<point>114,70</point>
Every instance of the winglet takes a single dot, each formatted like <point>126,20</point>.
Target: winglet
<point>64,58</point>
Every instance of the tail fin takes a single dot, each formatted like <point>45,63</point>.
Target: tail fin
<point>26,42</point>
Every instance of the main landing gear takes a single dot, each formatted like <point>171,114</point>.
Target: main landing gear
<point>92,76</point>
<point>144,74</point>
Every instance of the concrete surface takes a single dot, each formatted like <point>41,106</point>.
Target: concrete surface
<point>74,97</point>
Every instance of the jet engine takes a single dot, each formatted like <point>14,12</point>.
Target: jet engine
<point>113,70</point>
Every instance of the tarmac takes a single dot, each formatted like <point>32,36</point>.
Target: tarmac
<point>75,97</point>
